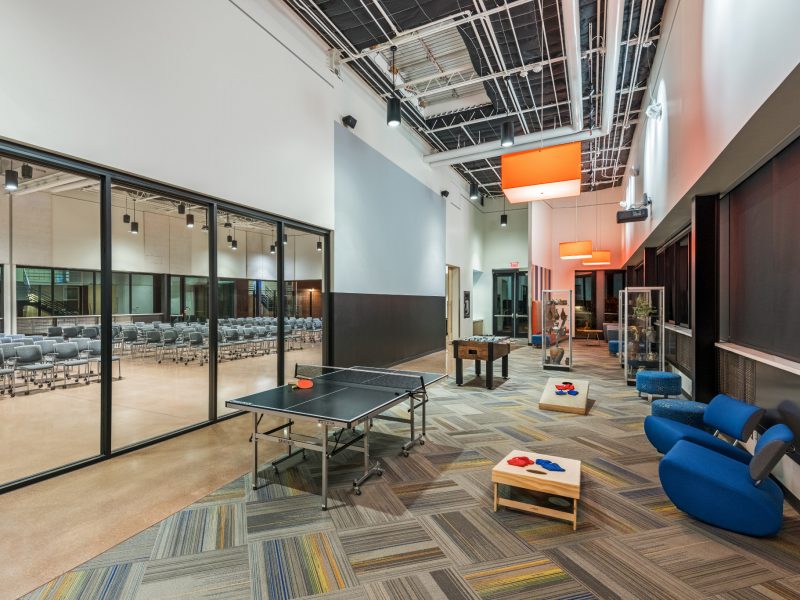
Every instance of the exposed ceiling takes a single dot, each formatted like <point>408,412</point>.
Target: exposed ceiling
<point>464,67</point>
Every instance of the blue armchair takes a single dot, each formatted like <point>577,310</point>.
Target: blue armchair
<point>726,492</point>
<point>723,415</point>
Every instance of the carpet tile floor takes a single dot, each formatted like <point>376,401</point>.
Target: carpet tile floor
<point>426,530</point>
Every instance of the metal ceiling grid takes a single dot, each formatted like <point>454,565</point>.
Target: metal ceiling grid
<point>457,54</point>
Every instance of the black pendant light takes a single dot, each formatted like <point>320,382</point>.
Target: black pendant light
<point>504,216</point>
<point>126,218</point>
<point>12,179</point>
<point>229,240</point>
<point>473,191</point>
<point>134,224</point>
<point>507,134</point>
<point>228,222</point>
<point>319,245</point>
<point>393,115</point>
<point>190,220</point>
<point>285,239</point>
<point>27,171</point>
<point>205,225</point>
<point>181,209</point>
<point>234,243</point>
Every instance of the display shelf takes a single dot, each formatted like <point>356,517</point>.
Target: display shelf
<point>556,329</point>
<point>643,330</point>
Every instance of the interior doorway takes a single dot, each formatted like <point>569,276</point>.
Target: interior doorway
<point>453,316</point>
<point>510,303</point>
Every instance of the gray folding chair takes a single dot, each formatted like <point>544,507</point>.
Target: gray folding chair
<point>73,365</point>
<point>94,356</point>
<point>6,375</point>
<point>34,369</point>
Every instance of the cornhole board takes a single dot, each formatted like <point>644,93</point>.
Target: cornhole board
<point>570,404</point>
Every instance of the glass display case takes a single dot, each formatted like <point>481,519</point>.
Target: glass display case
<point>642,346</point>
<point>556,311</point>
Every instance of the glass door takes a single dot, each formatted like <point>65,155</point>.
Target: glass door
<point>510,303</point>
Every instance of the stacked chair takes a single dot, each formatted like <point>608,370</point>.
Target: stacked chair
<point>719,482</point>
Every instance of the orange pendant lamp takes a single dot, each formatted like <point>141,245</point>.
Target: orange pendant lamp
<point>599,257</point>
<point>534,175</point>
<point>579,248</point>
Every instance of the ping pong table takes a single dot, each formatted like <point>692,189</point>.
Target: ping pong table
<point>340,401</point>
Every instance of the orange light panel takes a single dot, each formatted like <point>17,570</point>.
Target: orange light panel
<point>553,172</point>
<point>599,257</point>
<point>575,250</point>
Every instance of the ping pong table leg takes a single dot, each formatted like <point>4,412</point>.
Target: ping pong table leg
<point>255,451</point>
<point>325,467</point>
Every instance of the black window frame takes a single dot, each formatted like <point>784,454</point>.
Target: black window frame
<point>107,177</point>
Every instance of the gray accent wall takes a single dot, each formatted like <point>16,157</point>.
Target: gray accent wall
<point>389,235</point>
<point>388,292</point>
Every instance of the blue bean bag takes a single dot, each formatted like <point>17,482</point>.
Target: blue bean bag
<point>724,492</point>
<point>723,414</point>
<point>613,347</point>
<point>536,340</point>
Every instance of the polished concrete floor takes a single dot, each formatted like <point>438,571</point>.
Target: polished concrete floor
<point>50,428</point>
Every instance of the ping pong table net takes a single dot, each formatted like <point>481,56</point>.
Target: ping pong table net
<point>367,376</point>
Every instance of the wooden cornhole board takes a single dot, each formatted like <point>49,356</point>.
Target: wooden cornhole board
<point>566,403</point>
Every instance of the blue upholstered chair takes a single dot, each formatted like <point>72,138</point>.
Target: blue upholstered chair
<point>725,492</point>
<point>658,383</point>
<point>723,414</point>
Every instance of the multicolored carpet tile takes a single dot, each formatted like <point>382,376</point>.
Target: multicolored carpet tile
<point>426,529</point>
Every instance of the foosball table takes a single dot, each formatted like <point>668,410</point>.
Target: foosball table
<point>482,348</point>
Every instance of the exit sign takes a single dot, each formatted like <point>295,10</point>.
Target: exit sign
<point>514,264</point>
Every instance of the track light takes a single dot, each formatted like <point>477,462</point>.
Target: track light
<point>285,239</point>
<point>504,220</point>
<point>134,228</point>
<point>473,191</point>
<point>190,221</point>
<point>393,115</point>
<point>181,209</point>
<point>272,249</point>
<point>507,134</point>
<point>12,180</point>
<point>27,171</point>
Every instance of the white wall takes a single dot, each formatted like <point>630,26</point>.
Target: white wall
<point>501,246</point>
<point>464,247</point>
<point>714,68</point>
<point>191,93</point>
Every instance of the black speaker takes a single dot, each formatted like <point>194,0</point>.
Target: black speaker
<point>349,121</point>
<point>444,193</point>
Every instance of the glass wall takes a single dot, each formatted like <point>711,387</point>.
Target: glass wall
<point>50,407</point>
<point>247,332</point>
<point>103,386</point>
<point>164,353</point>
<point>303,266</point>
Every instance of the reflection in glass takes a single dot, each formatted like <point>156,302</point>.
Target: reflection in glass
<point>246,303</point>
<point>50,408</point>
<point>164,352</point>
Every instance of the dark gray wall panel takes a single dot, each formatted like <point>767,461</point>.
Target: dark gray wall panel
<point>379,330</point>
